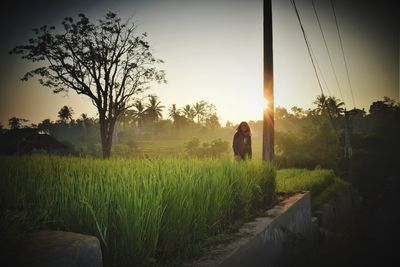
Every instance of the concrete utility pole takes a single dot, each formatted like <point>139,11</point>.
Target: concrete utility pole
<point>348,150</point>
<point>268,125</point>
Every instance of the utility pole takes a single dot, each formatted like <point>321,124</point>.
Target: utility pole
<point>268,123</point>
<point>348,150</point>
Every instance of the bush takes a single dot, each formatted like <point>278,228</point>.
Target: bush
<point>216,148</point>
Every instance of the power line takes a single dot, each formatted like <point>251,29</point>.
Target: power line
<point>313,63</point>
<point>327,49</point>
<point>344,57</point>
<point>307,43</point>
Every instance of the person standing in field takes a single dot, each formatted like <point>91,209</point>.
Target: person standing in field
<point>242,142</point>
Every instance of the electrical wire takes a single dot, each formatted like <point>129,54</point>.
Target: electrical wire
<point>313,63</point>
<point>344,57</point>
<point>327,49</point>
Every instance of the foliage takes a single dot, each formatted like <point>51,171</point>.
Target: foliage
<point>323,184</point>
<point>317,144</point>
<point>295,180</point>
<point>106,60</point>
<point>65,114</point>
<point>138,208</point>
<point>216,148</point>
<point>334,189</point>
<point>16,123</point>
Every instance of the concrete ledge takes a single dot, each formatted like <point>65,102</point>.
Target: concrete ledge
<point>60,249</point>
<point>262,242</point>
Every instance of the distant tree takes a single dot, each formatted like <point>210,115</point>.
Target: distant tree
<point>174,112</point>
<point>390,102</point>
<point>46,125</point>
<point>199,109</point>
<point>16,123</point>
<point>212,122</point>
<point>216,148</point>
<point>382,106</point>
<point>281,113</point>
<point>229,124</point>
<point>105,60</point>
<point>154,109</point>
<point>329,106</point>
<point>357,112</point>
<point>188,112</point>
<point>127,117</point>
<point>65,114</point>
<point>209,110</point>
<point>85,121</point>
<point>298,112</point>
<point>336,107</point>
<point>139,112</point>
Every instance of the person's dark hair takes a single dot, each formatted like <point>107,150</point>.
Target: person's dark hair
<point>247,132</point>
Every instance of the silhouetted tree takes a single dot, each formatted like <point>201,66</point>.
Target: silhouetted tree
<point>105,60</point>
<point>281,113</point>
<point>336,107</point>
<point>174,112</point>
<point>329,106</point>
<point>188,112</point>
<point>65,114</point>
<point>45,125</point>
<point>139,112</point>
<point>298,112</point>
<point>212,122</point>
<point>154,109</point>
<point>199,110</point>
<point>382,106</point>
<point>16,123</point>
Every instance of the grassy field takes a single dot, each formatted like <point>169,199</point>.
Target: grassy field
<point>322,184</point>
<point>140,209</point>
<point>145,210</point>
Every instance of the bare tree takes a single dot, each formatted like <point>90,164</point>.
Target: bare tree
<point>106,61</point>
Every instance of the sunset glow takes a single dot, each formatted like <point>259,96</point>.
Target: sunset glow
<point>220,59</point>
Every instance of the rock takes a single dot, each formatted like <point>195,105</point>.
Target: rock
<point>60,249</point>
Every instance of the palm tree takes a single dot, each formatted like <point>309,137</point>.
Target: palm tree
<point>335,106</point>
<point>65,114</point>
<point>329,106</point>
<point>199,110</point>
<point>188,112</point>
<point>139,112</point>
<point>154,108</point>
<point>174,112</point>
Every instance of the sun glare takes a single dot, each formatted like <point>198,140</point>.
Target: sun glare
<point>261,104</point>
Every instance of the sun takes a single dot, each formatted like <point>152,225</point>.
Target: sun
<point>258,104</point>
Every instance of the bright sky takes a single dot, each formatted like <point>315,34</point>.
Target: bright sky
<point>214,51</point>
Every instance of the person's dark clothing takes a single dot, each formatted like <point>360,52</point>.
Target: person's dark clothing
<point>242,145</point>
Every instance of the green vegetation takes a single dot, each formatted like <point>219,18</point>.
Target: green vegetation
<point>322,184</point>
<point>140,209</point>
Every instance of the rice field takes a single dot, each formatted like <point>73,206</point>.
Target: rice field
<point>321,183</point>
<point>142,210</point>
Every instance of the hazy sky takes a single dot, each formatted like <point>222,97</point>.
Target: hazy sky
<point>213,51</point>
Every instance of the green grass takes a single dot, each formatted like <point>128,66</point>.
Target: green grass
<point>322,184</point>
<point>140,209</point>
<point>338,185</point>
